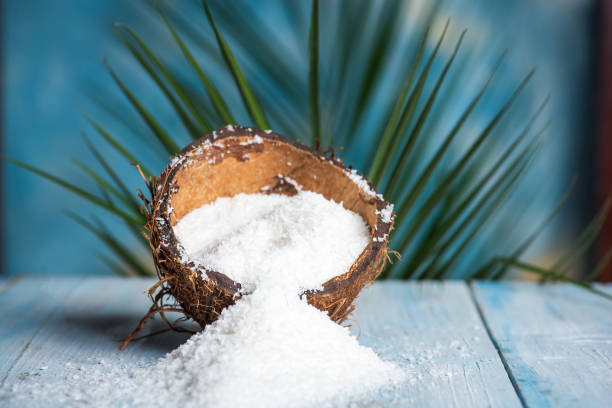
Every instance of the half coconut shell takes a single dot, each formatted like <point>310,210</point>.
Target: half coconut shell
<point>236,160</point>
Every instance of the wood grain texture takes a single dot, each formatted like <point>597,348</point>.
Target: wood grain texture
<point>55,325</point>
<point>434,330</point>
<point>557,340</point>
<point>25,306</point>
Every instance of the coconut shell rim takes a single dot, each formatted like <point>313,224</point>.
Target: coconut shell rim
<point>376,247</point>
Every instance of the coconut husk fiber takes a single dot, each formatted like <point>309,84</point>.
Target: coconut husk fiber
<point>235,160</point>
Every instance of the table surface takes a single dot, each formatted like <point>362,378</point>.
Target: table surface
<point>507,344</point>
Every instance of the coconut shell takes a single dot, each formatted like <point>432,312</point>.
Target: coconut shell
<point>236,160</point>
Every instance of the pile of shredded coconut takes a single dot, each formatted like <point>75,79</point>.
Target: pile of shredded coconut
<point>270,349</point>
<point>302,241</point>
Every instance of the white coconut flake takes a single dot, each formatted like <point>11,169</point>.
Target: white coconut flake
<point>249,235</point>
<point>271,348</point>
<point>230,128</point>
<point>291,181</point>
<point>362,183</point>
<point>174,160</point>
<point>254,140</point>
<point>386,214</point>
<point>380,239</point>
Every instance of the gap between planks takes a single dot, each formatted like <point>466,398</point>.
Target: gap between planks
<point>433,330</point>
<point>493,340</point>
<point>556,338</point>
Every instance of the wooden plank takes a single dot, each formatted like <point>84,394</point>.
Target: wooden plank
<point>430,329</point>
<point>84,332</point>
<point>435,332</point>
<point>24,307</point>
<point>557,340</point>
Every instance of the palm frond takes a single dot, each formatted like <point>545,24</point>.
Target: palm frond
<point>382,149</point>
<point>217,100</point>
<point>397,170</point>
<point>163,136</point>
<point>104,185</point>
<point>488,272</point>
<point>313,75</point>
<point>127,196</point>
<point>407,115</point>
<point>439,242</point>
<point>443,186</point>
<point>79,191</point>
<point>185,118</point>
<point>450,189</point>
<point>248,97</point>
<point>552,274</point>
<point>585,240</point>
<point>122,150</point>
<point>508,188</point>
<point>122,252</point>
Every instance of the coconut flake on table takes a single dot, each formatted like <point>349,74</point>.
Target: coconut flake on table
<point>271,348</point>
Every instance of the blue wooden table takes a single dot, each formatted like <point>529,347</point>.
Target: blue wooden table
<point>484,344</point>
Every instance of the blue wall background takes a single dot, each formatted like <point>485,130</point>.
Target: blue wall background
<point>52,64</point>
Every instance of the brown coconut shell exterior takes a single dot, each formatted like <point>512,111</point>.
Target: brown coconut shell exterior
<point>235,160</point>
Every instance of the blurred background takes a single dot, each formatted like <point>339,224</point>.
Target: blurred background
<point>52,66</point>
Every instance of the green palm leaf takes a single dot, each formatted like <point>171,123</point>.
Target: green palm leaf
<point>185,119</point>
<point>459,212</point>
<point>105,185</point>
<point>168,77</point>
<point>163,136</point>
<point>216,98</point>
<point>443,186</point>
<point>313,75</point>
<point>516,255</point>
<point>509,184</point>
<point>116,145</point>
<point>248,97</point>
<point>384,144</point>
<point>552,274</point>
<point>585,240</point>
<point>406,116</point>
<point>122,252</point>
<point>443,202</point>
<point>127,196</point>
<point>78,191</point>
